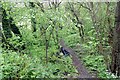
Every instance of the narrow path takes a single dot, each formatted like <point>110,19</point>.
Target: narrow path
<point>77,62</point>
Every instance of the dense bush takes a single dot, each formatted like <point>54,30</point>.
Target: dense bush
<point>24,66</point>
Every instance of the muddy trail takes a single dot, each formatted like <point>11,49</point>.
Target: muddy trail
<point>83,72</point>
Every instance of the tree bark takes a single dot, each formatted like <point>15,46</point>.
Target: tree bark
<point>115,63</point>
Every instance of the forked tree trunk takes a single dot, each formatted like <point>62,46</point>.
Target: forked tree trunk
<point>115,64</point>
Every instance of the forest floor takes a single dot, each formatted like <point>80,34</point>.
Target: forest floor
<point>83,72</point>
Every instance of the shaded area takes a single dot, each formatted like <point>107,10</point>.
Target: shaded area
<point>8,26</point>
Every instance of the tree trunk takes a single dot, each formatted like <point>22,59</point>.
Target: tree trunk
<point>115,63</point>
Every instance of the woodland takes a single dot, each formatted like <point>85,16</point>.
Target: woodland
<point>58,39</point>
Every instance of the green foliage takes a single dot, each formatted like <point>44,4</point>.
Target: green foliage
<point>97,64</point>
<point>24,66</point>
<point>52,25</point>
